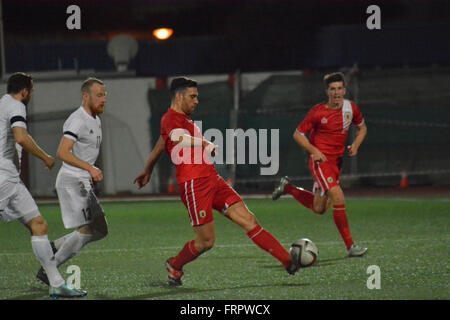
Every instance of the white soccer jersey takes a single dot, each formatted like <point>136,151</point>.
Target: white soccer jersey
<point>12,114</point>
<point>86,131</point>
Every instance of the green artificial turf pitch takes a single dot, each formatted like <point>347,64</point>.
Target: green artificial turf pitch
<point>408,239</point>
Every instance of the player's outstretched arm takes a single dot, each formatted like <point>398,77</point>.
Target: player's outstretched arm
<point>27,142</point>
<point>303,141</point>
<point>182,138</point>
<point>143,178</point>
<point>64,154</point>
<point>361,132</point>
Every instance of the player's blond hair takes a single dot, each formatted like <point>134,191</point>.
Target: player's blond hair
<point>333,77</point>
<point>87,84</point>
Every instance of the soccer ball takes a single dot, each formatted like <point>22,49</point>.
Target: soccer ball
<point>303,252</point>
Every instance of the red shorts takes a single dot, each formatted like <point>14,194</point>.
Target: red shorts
<point>201,195</point>
<point>326,174</point>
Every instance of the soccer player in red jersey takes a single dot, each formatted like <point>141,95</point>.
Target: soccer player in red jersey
<point>201,188</point>
<point>328,125</point>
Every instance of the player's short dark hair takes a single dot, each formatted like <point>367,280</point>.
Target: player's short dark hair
<point>19,81</point>
<point>181,83</point>
<point>87,84</point>
<point>333,77</point>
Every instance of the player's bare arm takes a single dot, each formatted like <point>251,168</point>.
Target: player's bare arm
<point>143,178</point>
<point>184,139</point>
<point>361,132</point>
<point>64,154</point>
<point>27,142</point>
<point>303,141</point>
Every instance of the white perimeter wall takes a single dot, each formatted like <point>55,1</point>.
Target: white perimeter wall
<point>126,134</point>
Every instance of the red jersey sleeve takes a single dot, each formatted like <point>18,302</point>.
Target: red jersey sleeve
<point>308,123</point>
<point>357,115</point>
<point>168,124</point>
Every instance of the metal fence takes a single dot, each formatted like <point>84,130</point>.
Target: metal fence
<point>407,112</point>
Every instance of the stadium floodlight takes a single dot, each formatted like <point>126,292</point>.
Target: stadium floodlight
<point>122,49</point>
<point>162,33</point>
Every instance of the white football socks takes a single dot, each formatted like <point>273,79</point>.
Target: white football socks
<point>59,242</point>
<point>71,246</point>
<point>44,254</point>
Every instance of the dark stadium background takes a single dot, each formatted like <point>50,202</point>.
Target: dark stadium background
<point>250,35</point>
<point>398,75</point>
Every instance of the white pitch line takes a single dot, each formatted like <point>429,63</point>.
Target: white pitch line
<point>226,246</point>
<point>253,196</point>
<point>437,199</point>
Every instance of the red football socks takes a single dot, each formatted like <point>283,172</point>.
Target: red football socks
<point>303,196</point>
<point>267,242</point>
<point>258,235</point>
<point>340,219</point>
<point>186,255</point>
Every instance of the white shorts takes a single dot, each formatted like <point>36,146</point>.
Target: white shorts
<point>16,202</point>
<point>79,205</point>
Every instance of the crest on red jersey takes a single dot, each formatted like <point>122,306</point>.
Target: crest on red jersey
<point>347,116</point>
<point>324,120</point>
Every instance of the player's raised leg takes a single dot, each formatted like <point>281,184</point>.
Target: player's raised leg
<point>280,189</point>
<point>89,228</point>
<point>55,245</point>
<point>316,201</point>
<point>240,214</point>
<point>98,229</point>
<point>75,241</point>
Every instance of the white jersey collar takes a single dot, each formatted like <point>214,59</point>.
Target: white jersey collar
<point>87,114</point>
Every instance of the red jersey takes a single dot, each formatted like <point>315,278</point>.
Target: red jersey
<point>329,128</point>
<point>189,162</point>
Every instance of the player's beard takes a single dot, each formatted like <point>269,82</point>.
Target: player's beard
<point>188,110</point>
<point>96,110</point>
<point>27,99</point>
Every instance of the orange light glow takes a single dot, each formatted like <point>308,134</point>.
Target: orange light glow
<point>162,33</point>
